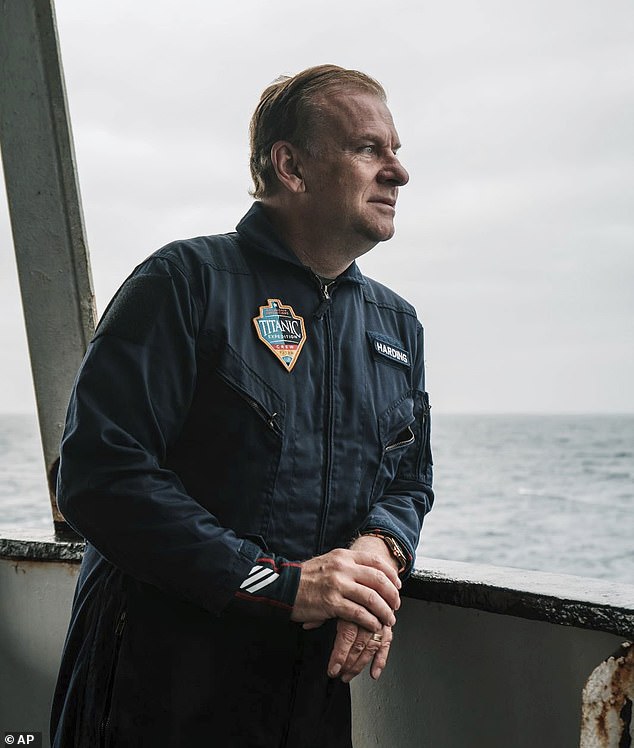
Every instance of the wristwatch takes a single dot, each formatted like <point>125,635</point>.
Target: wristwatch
<point>394,548</point>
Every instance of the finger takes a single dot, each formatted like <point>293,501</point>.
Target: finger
<point>358,615</point>
<point>336,586</point>
<point>376,562</point>
<point>310,625</point>
<point>378,581</point>
<point>346,636</point>
<point>375,644</point>
<point>371,602</point>
<point>380,658</point>
<point>361,653</point>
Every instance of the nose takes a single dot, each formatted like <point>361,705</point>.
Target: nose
<point>394,172</point>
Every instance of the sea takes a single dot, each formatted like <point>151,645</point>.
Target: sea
<point>547,492</point>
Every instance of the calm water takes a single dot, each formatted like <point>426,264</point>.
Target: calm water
<point>554,493</point>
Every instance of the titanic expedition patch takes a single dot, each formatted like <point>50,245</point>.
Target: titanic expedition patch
<point>282,331</point>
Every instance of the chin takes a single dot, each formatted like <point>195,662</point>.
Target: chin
<point>377,231</point>
<point>383,233</point>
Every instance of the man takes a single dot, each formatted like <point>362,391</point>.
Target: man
<point>247,454</point>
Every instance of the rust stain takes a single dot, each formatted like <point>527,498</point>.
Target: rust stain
<point>602,728</point>
<point>626,719</point>
<point>26,565</point>
<point>607,702</point>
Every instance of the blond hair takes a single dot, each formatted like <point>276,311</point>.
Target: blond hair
<point>289,110</point>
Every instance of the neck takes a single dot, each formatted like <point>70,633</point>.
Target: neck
<point>326,255</point>
<point>320,259</point>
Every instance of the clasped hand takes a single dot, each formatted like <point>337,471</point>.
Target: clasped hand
<point>360,587</point>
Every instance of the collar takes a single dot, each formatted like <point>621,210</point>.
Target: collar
<point>256,229</point>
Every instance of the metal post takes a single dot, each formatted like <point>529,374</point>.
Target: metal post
<point>45,209</point>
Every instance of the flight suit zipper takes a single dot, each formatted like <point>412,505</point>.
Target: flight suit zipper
<point>323,312</point>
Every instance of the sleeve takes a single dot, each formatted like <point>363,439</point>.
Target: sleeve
<point>128,405</point>
<point>400,511</point>
<point>269,589</point>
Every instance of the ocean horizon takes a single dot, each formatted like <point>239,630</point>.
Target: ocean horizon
<point>550,492</point>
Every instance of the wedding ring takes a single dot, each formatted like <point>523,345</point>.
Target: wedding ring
<point>377,637</point>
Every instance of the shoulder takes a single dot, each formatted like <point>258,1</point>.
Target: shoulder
<point>222,252</point>
<point>182,271</point>
<point>382,296</point>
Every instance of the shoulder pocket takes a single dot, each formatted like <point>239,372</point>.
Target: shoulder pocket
<point>424,462</point>
<point>396,433</point>
<point>395,424</point>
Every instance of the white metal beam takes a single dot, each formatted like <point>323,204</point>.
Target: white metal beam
<point>45,209</point>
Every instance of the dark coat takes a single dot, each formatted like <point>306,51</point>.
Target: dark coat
<point>228,405</point>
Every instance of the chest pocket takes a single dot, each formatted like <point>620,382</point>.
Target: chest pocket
<point>396,428</point>
<point>254,415</point>
<point>252,390</point>
<point>230,451</point>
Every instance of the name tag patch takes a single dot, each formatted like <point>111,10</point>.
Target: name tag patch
<point>389,349</point>
<point>282,331</point>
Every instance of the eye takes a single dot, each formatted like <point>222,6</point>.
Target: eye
<point>368,149</point>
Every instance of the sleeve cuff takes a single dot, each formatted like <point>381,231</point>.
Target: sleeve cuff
<point>269,588</point>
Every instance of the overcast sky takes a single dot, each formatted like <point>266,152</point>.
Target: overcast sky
<point>515,235</point>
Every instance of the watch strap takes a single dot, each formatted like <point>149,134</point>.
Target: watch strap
<point>394,548</point>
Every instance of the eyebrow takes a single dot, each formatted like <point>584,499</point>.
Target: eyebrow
<point>376,139</point>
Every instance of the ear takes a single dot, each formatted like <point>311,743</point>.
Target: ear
<point>286,161</point>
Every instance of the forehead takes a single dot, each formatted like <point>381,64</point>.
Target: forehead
<point>355,113</point>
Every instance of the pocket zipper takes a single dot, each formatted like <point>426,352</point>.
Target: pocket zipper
<point>403,442</point>
<point>118,633</point>
<point>268,418</point>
